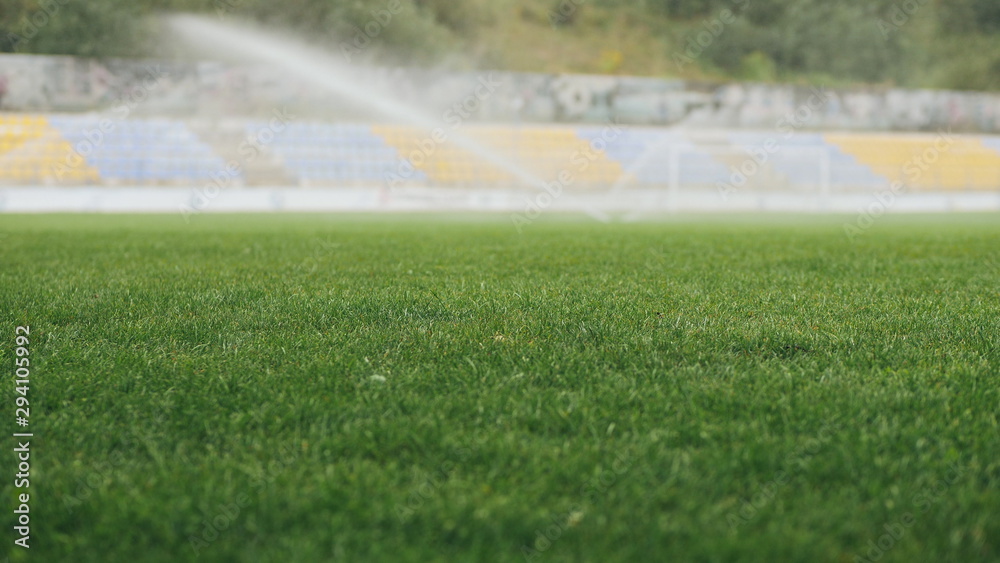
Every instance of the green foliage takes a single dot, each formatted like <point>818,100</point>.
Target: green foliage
<point>842,40</point>
<point>89,29</point>
<point>684,9</point>
<point>407,32</point>
<point>980,71</point>
<point>464,18</point>
<point>904,42</point>
<point>971,16</point>
<point>104,28</point>
<point>757,66</point>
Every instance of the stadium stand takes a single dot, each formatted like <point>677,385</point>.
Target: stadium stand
<point>325,153</point>
<point>140,151</point>
<point>544,152</point>
<point>799,159</point>
<point>67,149</point>
<point>925,162</point>
<point>33,152</point>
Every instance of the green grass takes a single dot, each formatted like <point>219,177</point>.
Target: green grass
<point>412,389</point>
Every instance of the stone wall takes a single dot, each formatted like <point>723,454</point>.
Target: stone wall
<point>67,84</point>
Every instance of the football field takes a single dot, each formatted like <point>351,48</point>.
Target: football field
<point>428,388</point>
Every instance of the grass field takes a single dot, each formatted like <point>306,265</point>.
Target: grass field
<point>311,388</point>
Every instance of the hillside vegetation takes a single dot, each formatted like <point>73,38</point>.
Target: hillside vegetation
<point>912,43</point>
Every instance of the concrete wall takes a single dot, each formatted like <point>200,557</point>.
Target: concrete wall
<point>66,84</point>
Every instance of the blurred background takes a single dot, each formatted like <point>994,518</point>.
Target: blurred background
<point>512,105</point>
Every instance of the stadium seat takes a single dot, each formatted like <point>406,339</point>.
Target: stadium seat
<point>73,149</point>
<point>141,151</point>
<point>926,162</point>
